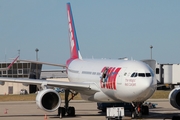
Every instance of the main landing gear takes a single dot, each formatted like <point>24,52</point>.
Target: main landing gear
<point>138,110</point>
<point>66,110</point>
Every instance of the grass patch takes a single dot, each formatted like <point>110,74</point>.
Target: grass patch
<point>159,94</point>
<point>29,97</point>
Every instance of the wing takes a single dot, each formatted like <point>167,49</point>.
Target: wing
<point>85,88</point>
<point>45,63</point>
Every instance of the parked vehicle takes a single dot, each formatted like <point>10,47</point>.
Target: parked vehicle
<point>23,92</point>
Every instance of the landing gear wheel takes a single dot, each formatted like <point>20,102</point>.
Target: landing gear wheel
<point>145,110</point>
<point>133,115</point>
<point>104,110</point>
<point>140,115</point>
<point>61,112</point>
<point>71,111</point>
<point>138,109</point>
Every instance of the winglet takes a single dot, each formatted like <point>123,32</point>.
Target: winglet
<point>74,47</point>
<point>12,62</point>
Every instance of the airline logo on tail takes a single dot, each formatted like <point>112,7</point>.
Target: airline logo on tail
<point>74,47</point>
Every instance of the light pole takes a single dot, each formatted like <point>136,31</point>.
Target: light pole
<point>36,63</point>
<point>36,53</point>
<point>151,47</point>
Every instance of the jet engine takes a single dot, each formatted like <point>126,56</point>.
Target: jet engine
<point>174,98</point>
<point>48,100</point>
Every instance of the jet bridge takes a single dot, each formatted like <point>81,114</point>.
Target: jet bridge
<point>168,74</point>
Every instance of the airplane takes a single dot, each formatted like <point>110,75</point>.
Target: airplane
<point>10,65</point>
<point>98,80</point>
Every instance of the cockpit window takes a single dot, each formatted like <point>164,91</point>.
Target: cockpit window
<point>148,74</point>
<point>134,75</point>
<point>141,74</point>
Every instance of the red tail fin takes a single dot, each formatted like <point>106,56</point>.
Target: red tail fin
<point>74,47</point>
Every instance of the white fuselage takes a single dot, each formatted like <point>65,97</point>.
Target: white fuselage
<point>117,80</point>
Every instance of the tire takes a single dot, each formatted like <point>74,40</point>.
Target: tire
<point>104,110</point>
<point>140,115</point>
<point>133,114</point>
<point>145,110</point>
<point>176,118</point>
<point>62,111</point>
<point>71,111</point>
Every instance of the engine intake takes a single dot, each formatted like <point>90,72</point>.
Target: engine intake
<point>174,98</point>
<point>48,100</point>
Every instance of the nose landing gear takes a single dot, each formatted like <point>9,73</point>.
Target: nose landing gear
<point>138,110</point>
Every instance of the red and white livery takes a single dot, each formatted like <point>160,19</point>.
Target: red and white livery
<point>99,80</point>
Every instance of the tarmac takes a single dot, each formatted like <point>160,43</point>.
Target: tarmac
<point>28,110</point>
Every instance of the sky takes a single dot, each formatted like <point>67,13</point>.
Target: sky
<point>105,29</point>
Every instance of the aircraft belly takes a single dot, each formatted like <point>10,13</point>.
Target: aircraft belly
<point>126,94</point>
<point>100,97</point>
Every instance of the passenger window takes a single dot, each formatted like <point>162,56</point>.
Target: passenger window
<point>141,74</point>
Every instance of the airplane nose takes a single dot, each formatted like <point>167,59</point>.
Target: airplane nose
<point>146,88</point>
<point>146,83</point>
<point>142,91</point>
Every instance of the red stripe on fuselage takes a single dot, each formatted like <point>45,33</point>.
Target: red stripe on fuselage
<point>109,85</point>
<point>109,81</point>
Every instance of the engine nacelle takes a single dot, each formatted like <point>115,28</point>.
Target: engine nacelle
<point>48,100</point>
<point>174,98</point>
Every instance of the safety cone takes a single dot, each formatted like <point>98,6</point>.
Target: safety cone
<point>5,111</point>
<point>45,117</point>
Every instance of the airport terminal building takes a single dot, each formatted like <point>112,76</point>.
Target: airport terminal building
<point>30,71</point>
<point>19,70</point>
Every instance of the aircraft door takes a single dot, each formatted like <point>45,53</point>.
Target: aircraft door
<point>121,76</point>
